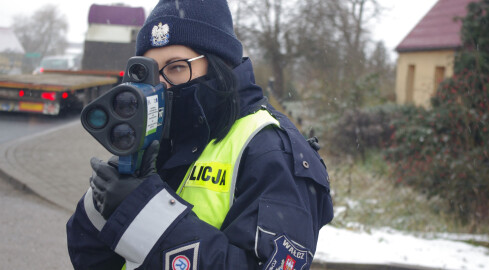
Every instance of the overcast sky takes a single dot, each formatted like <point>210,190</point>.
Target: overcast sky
<point>398,18</point>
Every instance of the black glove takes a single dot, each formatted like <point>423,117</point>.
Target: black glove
<point>110,188</point>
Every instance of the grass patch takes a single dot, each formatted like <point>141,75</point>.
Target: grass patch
<point>365,196</point>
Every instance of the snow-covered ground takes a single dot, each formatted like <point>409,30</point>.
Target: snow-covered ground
<point>387,246</point>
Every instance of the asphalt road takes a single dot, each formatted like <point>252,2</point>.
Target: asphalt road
<point>32,230</point>
<point>16,125</point>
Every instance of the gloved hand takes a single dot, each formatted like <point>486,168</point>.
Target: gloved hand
<point>110,188</point>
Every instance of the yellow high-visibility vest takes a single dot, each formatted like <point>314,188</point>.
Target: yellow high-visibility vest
<point>209,183</point>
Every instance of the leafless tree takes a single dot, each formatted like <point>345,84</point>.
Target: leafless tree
<point>382,67</point>
<point>265,27</point>
<point>333,44</point>
<point>42,33</point>
<point>351,18</point>
<point>318,62</point>
<point>325,38</point>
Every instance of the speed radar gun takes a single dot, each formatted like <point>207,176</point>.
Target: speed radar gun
<point>127,118</point>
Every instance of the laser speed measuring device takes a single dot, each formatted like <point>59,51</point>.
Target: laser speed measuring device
<point>127,118</point>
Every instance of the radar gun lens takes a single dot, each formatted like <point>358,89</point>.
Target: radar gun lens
<point>125,104</point>
<point>123,136</point>
<point>97,118</point>
<point>138,72</point>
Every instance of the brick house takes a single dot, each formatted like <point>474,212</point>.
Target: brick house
<point>426,54</point>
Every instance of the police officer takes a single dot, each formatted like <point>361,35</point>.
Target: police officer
<point>235,187</point>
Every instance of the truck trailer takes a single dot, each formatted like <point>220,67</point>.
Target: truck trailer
<point>50,93</point>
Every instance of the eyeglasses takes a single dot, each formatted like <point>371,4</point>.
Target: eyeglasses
<point>179,71</point>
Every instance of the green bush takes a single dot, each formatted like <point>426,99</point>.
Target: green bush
<point>359,130</point>
<point>444,151</point>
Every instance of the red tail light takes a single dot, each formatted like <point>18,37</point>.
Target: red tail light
<point>121,73</point>
<point>49,96</point>
<point>41,70</point>
<point>64,95</point>
<point>21,93</point>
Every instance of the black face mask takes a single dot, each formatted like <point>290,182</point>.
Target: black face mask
<point>192,106</point>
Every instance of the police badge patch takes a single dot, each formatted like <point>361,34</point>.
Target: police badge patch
<point>160,35</point>
<point>287,256</point>
<point>182,258</point>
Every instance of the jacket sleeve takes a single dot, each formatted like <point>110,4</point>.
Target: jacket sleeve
<point>275,219</point>
<point>84,247</point>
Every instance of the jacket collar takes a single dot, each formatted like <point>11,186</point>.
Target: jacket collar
<point>249,93</point>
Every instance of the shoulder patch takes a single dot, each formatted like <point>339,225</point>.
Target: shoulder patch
<point>182,258</point>
<point>287,256</point>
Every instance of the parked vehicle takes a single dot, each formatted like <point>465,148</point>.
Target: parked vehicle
<point>59,62</point>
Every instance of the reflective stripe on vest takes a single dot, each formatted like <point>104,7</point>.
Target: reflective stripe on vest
<point>210,182</point>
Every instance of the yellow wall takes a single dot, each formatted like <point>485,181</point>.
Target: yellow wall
<point>423,80</point>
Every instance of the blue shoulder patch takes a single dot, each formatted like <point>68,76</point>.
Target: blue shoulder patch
<point>182,258</point>
<point>287,256</point>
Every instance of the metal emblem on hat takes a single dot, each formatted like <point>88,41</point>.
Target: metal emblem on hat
<point>160,35</point>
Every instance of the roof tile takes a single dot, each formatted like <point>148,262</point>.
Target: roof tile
<point>438,29</point>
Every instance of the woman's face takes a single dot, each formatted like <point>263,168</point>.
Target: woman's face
<point>165,55</point>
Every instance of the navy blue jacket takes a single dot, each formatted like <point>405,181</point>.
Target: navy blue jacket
<point>282,199</point>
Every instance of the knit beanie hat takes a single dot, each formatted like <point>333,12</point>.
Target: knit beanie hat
<point>199,24</point>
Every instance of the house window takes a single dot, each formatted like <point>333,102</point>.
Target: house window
<point>410,84</point>
<point>439,76</point>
